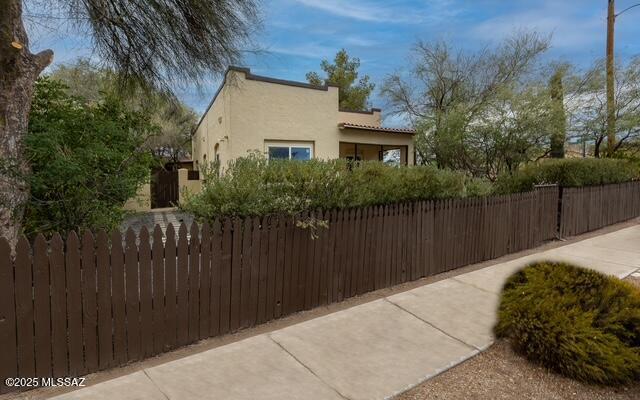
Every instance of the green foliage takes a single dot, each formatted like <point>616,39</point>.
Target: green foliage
<point>86,160</point>
<point>572,172</point>
<point>164,44</point>
<point>481,112</point>
<point>589,119</point>
<point>171,141</point>
<point>575,321</point>
<point>507,132</point>
<point>254,186</point>
<point>84,80</point>
<point>343,73</point>
<point>558,123</point>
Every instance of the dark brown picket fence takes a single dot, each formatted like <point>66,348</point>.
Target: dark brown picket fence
<point>589,208</point>
<point>88,303</point>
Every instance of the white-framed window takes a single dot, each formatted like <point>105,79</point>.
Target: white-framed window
<point>289,151</point>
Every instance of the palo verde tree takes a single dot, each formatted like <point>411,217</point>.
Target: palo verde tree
<point>474,111</point>
<point>344,73</point>
<point>154,43</point>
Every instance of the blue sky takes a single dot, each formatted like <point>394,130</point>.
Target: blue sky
<point>298,34</point>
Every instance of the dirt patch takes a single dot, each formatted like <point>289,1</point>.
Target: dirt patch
<point>499,373</point>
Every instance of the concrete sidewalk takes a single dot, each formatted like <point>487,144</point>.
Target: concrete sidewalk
<point>371,351</point>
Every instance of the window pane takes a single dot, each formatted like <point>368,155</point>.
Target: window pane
<point>300,153</point>
<point>391,157</point>
<point>278,153</point>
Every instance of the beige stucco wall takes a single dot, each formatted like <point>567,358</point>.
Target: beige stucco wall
<point>360,136</point>
<point>213,129</point>
<point>186,186</point>
<point>361,118</point>
<point>264,111</point>
<point>142,201</point>
<point>252,112</point>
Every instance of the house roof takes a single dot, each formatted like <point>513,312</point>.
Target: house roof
<point>369,112</point>
<point>253,77</point>
<point>348,125</point>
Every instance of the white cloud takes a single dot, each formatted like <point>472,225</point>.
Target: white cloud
<point>310,50</point>
<point>389,11</point>
<point>359,10</point>
<point>569,26</point>
<point>359,41</point>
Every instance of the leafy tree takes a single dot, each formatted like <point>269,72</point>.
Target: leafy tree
<point>174,120</point>
<point>558,115</point>
<point>344,73</point>
<point>474,111</point>
<point>85,80</point>
<point>157,44</point>
<point>513,130</point>
<point>589,108</point>
<point>86,160</point>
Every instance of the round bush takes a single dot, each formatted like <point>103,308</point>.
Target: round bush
<point>575,321</point>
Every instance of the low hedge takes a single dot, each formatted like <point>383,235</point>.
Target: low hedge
<point>575,321</point>
<point>568,172</point>
<point>254,186</point>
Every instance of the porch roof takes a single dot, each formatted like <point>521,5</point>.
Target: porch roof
<point>348,125</point>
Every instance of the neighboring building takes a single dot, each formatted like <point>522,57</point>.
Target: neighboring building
<point>286,119</point>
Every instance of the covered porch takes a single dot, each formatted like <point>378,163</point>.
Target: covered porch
<point>388,154</point>
<point>392,146</point>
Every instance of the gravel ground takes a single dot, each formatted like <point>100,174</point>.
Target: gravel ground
<point>499,373</point>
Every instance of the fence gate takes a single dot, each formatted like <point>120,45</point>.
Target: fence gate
<point>164,189</point>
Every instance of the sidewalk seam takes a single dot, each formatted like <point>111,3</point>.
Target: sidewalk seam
<point>307,368</point>
<point>455,278</point>
<point>433,326</point>
<point>166,396</point>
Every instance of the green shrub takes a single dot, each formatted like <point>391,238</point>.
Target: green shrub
<point>86,160</point>
<point>575,321</point>
<point>254,186</point>
<point>570,172</point>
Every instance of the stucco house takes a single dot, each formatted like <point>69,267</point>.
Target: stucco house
<point>287,119</point>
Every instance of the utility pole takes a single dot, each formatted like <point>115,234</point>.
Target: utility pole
<point>611,106</point>
<point>611,95</point>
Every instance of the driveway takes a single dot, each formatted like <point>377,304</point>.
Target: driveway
<point>161,217</point>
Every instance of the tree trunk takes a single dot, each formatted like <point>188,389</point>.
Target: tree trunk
<point>19,69</point>
<point>596,147</point>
